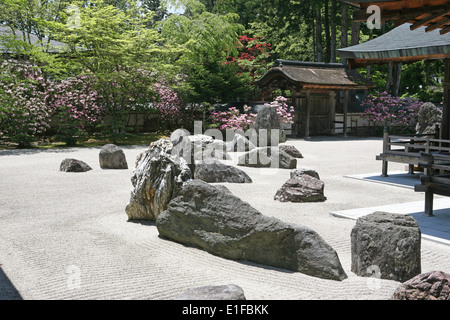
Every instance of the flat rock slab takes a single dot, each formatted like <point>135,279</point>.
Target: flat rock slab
<point>74,165</point>
<point>267,157</point>
<point>226,292</point>
<point>211,218</point>
<point>433,285</point>
<point>215,171</point>
<point>112,157</point>
<point>387,243</point>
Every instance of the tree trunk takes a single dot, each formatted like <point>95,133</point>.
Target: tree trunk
<point>389,78</point>
<point>333,30</point>
<point>356,28</point>
<point>344,26</point>
<point>397,79</point>
<point>319,35</point>
<point>327,32</point>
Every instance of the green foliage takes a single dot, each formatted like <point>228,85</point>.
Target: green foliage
<point>207,39</point>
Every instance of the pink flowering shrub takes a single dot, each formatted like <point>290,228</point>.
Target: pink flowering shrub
<point>23,111</point>
<point>385,110</point>
<point>233,119</point>
<point>170,106</point>
<point>75,105</point>
<point>285,112</point>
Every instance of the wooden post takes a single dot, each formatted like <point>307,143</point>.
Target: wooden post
<point>346,98</point>
<point>384,168</point>
<point>308,112</point>
<point>332,108</point>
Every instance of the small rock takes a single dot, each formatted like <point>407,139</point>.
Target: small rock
<point>299,172</point>
<point>434,285</point>
<point>226,292</point>
<point>74,165</point>
<point>112,157</point>
<point>291,150</point>
<point>302,188</point>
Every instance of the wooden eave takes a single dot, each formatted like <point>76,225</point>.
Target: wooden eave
<point>319,76</point>
<point>399,45</point>
<point>432,14</point>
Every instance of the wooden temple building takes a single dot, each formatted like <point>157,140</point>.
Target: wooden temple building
<point>422,33</point>
<point>316,88</point>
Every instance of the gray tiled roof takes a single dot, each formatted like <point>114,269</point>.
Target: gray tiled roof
<point>400,42</point>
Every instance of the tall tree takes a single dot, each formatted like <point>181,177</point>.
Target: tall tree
<point>333,30</point>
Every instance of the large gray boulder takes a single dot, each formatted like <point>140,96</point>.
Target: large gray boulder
<point>433,285</point>
<point>386,242</point>
<point>178,136</point>
<point>267,123</point>
<point>157,179</point>
<point>301,188</point>
<point>112,157</point>
<point>210,217</point>
<point>225,292</point>
<point>240,143</point>
<point>74,165</point>
<point>267,157</point>
<point>216,171</point>
<point>429,118</point>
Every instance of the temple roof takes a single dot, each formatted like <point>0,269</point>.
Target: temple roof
<point>434,14</point>
<point>400,45</point>
<point>310,75</point>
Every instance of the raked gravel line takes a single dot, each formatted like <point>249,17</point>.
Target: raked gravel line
<point>66,236</point>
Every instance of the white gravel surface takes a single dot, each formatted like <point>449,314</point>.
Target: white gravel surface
<point>67,236</point>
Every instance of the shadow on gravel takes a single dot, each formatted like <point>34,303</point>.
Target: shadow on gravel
<point>7,289</point>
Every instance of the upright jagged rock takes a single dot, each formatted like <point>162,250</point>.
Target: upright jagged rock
<point>157,179</point>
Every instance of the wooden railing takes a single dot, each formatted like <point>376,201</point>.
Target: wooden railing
<point>436,180</point>
<point>408,148</point>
